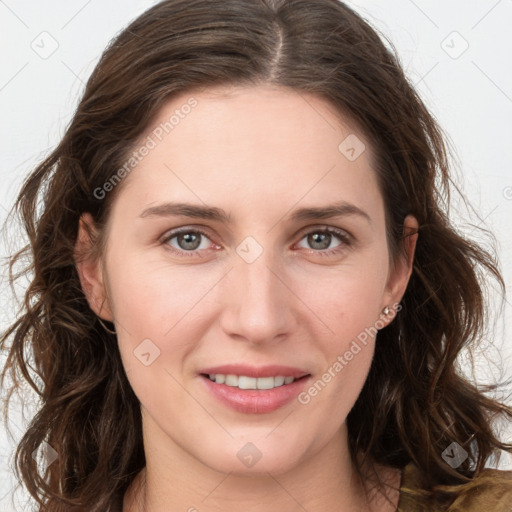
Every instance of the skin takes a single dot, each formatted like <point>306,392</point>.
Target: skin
<point>259,153</point>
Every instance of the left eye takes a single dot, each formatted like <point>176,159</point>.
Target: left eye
<point>322,239</point>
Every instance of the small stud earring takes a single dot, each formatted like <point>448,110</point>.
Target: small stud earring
<point>385,311</point>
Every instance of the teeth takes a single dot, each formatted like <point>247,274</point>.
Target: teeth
<point>244,382</point>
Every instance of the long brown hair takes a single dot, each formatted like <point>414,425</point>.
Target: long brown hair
<point>414,403</point>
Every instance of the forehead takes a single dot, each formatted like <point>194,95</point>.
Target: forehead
<point>282,118</point>
<point>262,143</point>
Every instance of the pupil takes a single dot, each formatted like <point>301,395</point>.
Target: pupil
<point>314,238</point>
<point>188,238</point>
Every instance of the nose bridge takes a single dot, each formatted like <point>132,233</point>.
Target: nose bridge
<point>260,302</point>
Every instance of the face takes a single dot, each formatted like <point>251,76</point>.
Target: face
<point>263,280</point>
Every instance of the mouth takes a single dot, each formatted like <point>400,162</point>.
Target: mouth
<point>254,395</point>
<point>252,383</point>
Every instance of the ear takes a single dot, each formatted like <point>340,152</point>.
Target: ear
<point>402,267</point>
<point>89,267</point>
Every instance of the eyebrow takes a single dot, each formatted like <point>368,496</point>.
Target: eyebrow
<point>341,209</point>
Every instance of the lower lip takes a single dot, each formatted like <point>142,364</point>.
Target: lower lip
<point>253,401</point>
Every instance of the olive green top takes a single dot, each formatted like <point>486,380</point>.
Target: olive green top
<point>491,491</point>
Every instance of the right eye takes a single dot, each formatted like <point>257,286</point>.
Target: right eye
<point>187,241</point>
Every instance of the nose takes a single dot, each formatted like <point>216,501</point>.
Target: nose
<point>258,301</point>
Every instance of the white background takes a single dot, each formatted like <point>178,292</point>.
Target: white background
<point>470,95</point>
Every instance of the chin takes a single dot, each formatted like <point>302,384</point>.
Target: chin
<point>255,459</point>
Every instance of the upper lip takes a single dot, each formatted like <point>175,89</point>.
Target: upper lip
<point>254,371</point>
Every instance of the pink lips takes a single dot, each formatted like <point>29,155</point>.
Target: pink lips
<point>255,401</point>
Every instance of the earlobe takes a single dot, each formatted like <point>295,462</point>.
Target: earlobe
<point>89,268</point>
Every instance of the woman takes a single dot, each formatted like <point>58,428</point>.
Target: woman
<point>246,294</point>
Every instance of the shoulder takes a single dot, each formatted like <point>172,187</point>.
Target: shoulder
<point>491,491</point>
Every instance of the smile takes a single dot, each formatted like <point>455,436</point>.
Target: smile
<point>245,382</point>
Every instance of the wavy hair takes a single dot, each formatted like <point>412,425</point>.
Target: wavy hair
<point>415,401</point>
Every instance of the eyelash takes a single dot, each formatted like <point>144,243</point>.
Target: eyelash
<point>344,238</point>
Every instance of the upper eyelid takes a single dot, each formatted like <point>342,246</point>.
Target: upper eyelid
<point>324,227</point>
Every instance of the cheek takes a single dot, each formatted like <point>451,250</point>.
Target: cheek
<point>347,307</point>
<point>150,297</point>
<point>346,300</point>
<point>346,340</point>
<point>159,311</point>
